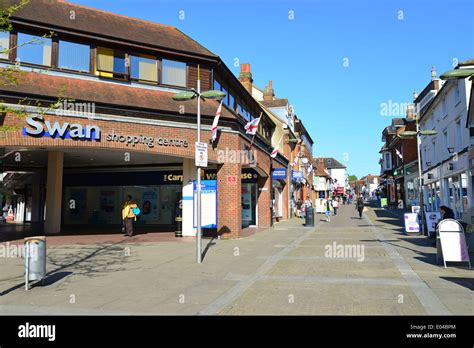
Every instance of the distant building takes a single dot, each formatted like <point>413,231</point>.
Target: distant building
<point>336,170</point>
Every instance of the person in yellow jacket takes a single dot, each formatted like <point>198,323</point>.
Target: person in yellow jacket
<point>129,214</point>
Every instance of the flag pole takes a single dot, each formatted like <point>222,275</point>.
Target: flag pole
<point>253,137</point>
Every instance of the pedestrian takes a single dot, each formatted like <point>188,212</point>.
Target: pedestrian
<point>130,211</point>
<point>298,208</point>
<point>335,205</point>
<point>328,210</point>
<point>446,213</point>
<point>360,205</point>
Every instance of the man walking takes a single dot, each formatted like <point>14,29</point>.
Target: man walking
<point>360,206</point>
<point>335,205</point>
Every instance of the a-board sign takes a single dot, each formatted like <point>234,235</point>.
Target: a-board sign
<point>411,222</point>
<point>453,242</point>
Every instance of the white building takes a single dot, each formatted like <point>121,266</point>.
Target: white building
<point>444,156</point>
<point>336,170</point>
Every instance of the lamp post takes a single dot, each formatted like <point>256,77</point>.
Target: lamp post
<point>184,96</point>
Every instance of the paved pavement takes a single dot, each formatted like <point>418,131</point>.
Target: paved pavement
<point>347,266</point>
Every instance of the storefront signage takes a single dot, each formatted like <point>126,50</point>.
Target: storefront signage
<point>296,175</point>
<point>232,179</point>
<point>411,222</point>
<point>150,141</point>
<point>208,204</point>
<point>279,173</point>
<point>38,127</point>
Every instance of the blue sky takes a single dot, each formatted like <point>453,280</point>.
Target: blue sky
<point>336,61</point>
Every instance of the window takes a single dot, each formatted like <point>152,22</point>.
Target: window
<point>444,107</point>
<point>217,85</point>
<point>433,157</point>
<point>144,68</point>
<point>240,110</point>
<point>34,49</point>
<point>111,63</point>
<point>73,56</point>
<point>226,98</point>
<point>4,44</point>
<point>446,141</point>
<point>231,101</point>
<point>457,93</point>
<point>174,73</point>
<point>458,135</point>
<point>388,162</point>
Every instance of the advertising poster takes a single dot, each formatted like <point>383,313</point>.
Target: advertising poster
<point>432,219</point>
<point>107,205</point>
<point>208,204</point>
<point>453,242</point>
<point>383,202</point>
<point>149,206</point>
<point>411,222</point>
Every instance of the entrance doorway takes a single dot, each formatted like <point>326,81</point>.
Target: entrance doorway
<point>249,204</point>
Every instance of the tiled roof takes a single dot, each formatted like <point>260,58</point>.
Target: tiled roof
<point>330,163</point>
<point>57,13</point>
<point>34,84</point>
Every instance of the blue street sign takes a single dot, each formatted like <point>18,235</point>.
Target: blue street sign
<point>279,173</point>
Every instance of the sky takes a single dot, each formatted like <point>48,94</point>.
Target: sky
<point>339,62</point>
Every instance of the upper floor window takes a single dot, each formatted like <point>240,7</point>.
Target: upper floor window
<point>74,56</point>
<point>458,135</point>
<point>144,68</point>
<point>457,93</point>
<point>225,100</point>
<point>231,101</point>
<point>34,49</point>
<point>217,85</point>
<point>111,63</point>
<point>446,141</point>
<point>4,44</point>
<point>173,73</point>
<point>444,107</point>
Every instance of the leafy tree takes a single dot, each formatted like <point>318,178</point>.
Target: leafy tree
<point>352,177</point>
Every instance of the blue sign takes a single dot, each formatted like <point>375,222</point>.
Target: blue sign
<point>296,175</point>
<point>208,204</point>
<point>279,173</point>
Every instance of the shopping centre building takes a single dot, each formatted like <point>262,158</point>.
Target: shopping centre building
<point>91,120</point>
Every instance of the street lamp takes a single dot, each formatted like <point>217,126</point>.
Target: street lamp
<point>184,96</point>
<point>418,133</point>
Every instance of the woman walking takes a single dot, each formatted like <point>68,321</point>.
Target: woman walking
<point>360,206</point>
<point>130,211</point>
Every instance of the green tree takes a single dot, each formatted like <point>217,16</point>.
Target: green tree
<point>352,177</point>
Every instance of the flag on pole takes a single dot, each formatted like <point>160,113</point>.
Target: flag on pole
<point>295,162</point>
<point>310,168</point>
<point>398,153</point>
<point>215,122</point>
<point>252,126</point>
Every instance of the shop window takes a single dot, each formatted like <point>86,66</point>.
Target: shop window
<point>173,73</point>
<point>111,63</point>
<point>144,68</point>
<point>73,56</point>
<point>34,49</point>
<point>4,44</point>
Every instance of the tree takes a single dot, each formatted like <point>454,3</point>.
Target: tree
<point>352,177</point>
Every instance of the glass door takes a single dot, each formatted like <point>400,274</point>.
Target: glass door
<point>249,204</point>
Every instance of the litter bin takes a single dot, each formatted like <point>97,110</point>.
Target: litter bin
<point>309,217</point>
<point>35,259</point>
<point>179,219</point>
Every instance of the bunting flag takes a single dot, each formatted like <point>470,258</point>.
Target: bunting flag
<point>252,126</point>
<point>215,122</point>
<point>275,152</point>
<point>310,168</point>
<point>398,153</point>
<point>295,162</point>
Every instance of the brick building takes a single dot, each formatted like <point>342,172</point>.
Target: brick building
<point>115,130</point>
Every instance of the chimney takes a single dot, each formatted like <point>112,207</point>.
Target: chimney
<point>268,93</point>
<point>433,73</point>
<point>245,77</point>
